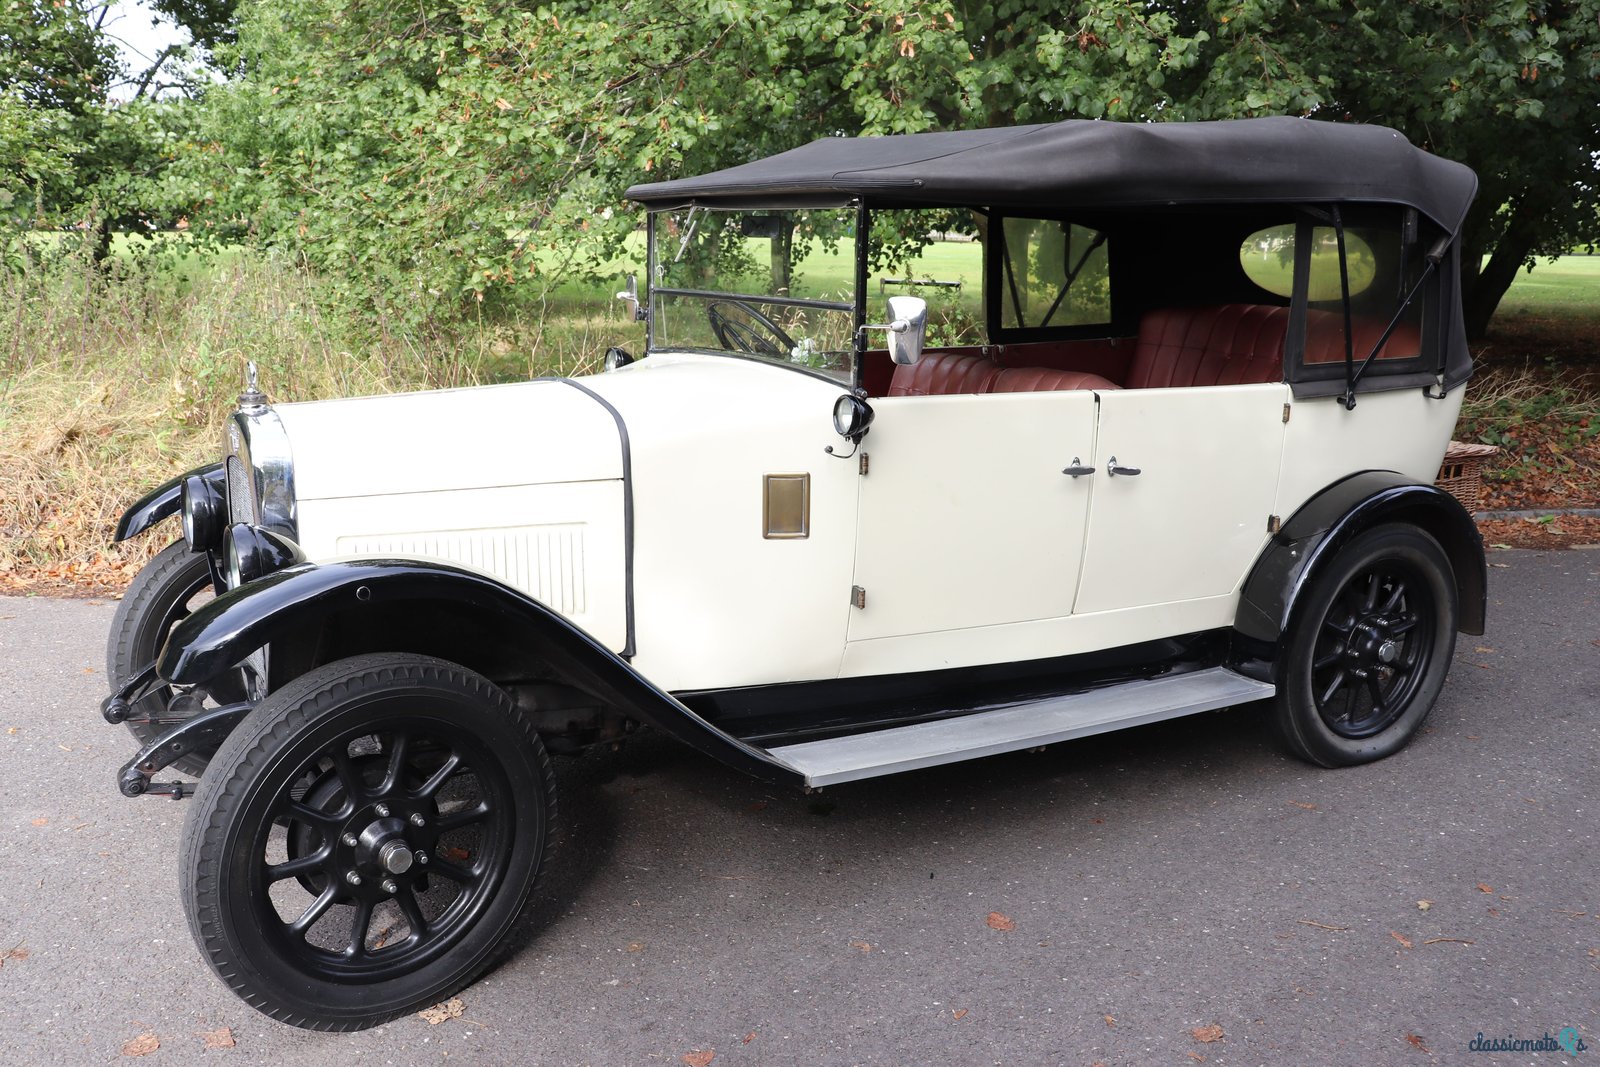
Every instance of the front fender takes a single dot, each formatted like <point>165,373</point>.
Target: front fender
<point>165,499</point>
<point>1331,519</point>
<point>412,602</point>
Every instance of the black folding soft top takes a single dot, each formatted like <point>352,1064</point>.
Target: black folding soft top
<point>1086,163</point>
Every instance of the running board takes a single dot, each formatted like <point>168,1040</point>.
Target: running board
<point>1018,726</point>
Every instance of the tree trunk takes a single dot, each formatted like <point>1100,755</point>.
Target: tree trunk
<point>1483,288</point>
<point>782,266</point>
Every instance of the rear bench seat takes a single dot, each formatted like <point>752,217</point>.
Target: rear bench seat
<point>1223,344</point>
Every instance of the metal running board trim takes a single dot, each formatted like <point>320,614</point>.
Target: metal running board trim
<point>1018,726</point>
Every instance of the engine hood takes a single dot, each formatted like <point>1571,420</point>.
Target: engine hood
<point>541,432</point>
<point>485,437</point>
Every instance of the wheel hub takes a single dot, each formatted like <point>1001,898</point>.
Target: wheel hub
<point>1371,646</point>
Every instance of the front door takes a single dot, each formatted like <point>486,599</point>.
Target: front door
<point>966,520</point>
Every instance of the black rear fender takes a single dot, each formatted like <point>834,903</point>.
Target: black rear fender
<point>313,614</point>
<point>1335,516</point>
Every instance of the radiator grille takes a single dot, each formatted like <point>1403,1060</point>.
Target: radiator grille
<point>241,501</point>
<point>546,562</point>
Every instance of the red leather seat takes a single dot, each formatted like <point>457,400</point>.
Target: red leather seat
<point>941,373</point>
<point>1043,379</point>
<point>1224,344</point>
<point>1325,338</point>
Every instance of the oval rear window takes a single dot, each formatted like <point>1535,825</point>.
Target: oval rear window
<point>1267,257</point>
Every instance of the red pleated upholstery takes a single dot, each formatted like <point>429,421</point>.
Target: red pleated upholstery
<point>1325,338</point>
<point>1228,344</point>
<point>1043,379</point>
<point>941,373</point>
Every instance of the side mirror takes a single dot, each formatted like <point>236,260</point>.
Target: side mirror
<point>630,296</point>
<point>907,327</point>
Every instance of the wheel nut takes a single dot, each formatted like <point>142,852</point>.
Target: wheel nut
<point>390,887</point>
<point>352,877</point>
<point>382,811</point>
<point>349,840</point>
<point>417,819</point>
<point>422,859</point>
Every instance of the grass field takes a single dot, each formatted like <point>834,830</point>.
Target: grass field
<point>1568,287</point>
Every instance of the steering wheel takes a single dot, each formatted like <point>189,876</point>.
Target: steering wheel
<point>753,332</point>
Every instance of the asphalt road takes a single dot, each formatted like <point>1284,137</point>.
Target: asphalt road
<point>1161,881</point>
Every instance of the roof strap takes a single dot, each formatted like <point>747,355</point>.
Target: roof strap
<point>1349,400</point>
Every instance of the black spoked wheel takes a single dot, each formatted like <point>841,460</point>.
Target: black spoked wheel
<point>365,840</point>
<point>165,592</point>
<point>1369,653</point>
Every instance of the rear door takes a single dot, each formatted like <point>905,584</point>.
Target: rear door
<point>1191,522</point>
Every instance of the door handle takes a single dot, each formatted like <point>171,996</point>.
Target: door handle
<point>1114,470</point>
<point>1077,470</point>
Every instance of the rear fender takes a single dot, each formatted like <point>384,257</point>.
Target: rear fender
<point>313,614</point>
<point>1331,519</point>
<point>162,501</point>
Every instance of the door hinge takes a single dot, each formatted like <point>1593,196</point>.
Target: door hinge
<point>858,597</point>
<point>863,465</point>
<point>1286,413</point>
<point>1274,524</point>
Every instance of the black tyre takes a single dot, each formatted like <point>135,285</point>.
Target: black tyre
<point>1369,648</point>
<point>365,840</point>
<point>161,595</point>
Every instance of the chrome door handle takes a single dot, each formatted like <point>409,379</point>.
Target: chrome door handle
<point>1114,470</point>
<point>1077,470</point>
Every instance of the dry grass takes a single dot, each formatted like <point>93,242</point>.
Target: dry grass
<point>110,384</point>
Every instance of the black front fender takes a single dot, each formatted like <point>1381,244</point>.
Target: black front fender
<point>165,499</point>
<point>1331,519</point>
<point>410,605</point>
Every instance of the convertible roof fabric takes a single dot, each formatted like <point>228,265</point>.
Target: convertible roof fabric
<point>1085,163</point>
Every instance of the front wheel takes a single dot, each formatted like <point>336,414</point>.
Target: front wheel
<point>1368,653</point>
<point>362,844</point>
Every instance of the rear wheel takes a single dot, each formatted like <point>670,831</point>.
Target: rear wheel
<point>365,840</point>
<point>1370,649</point>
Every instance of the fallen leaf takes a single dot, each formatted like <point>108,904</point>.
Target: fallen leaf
<point>222,1038</point>
<point>864,946</point>
<point>1495,912</point>
<point>1416,1043</point>
<point>450,1009</point>
<point>1322,926</point>
<point>959,1013</point>
<point>41,822</point>
<point>1401,938</point>
<point>997,921</point>
<point>758,805</point>
<point>142,1045</point>
<point>88,670</point>
<point>1303,804</point>
<point>1424,905</point>
<point>1449,940</point>
<point>1569,913</point>
<point>1474,737</point>
<point>16,954</point>
<point>751,1036</point>
<point>1482,648</point>
<point>11,730</point>
<point>699,1057</point>
<point>1207,1034</point>
<point>1196,1057</point>
<point>635,946</point>
<point>1098,822</point>
<point>1111,1020</point>
<point>1484,888</point>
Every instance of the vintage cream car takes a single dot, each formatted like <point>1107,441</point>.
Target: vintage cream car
<point>1156,438</point>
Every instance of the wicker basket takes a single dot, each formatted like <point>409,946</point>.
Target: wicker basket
<point>1461,473</point>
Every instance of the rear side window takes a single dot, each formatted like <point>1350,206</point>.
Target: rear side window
<point>1053,273</point>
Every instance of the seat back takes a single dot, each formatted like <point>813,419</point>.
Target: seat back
<point>1044,379</point>
<point>941,373</point>
<point>1325,338</point>
<point>1224,344</point>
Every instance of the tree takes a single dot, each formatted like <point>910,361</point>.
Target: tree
<point>442,145</point>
